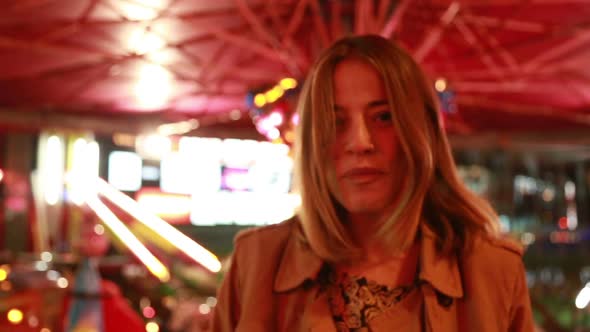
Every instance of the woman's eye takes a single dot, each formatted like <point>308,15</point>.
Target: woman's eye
<point>384,116</point>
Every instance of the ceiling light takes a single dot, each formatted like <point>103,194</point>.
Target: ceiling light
<point>143,41</point>
<point>153,88</point>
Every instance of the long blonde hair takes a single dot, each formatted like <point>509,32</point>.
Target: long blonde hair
<point>433,192</point>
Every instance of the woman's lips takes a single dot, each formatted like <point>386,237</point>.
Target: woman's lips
<point>363,175</point>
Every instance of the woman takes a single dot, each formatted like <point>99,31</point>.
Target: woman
<point>387,238</point>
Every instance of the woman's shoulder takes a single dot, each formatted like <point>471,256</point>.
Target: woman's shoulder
<point>498,245</point>
<point>494,271</point>
<point>494,254</point>
<point>275,233</point>
<point>258,252</point>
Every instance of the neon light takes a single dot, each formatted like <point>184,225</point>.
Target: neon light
<point>165,205</point>
<point>54,165</point>
<point>75,177</point>
<point>177,238</point>
<point>124,234</point>
<point>85,163</point>
<point>583,297</point>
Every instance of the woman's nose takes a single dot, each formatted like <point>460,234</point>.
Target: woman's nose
<point>359,138</point>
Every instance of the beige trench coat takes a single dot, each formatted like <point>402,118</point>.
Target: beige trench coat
<point>272,286</point>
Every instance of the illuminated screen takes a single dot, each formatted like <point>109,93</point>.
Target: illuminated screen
<point>228,182</point>
<point>271,175</point>
<point>185,173</point>
<point>150,173</point>
<point>125,170</point>
<point>243,208</point>
<point>235,179</point>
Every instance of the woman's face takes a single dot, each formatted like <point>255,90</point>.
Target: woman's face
<point>363,169</point>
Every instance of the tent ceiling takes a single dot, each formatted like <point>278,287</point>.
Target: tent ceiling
<point>513,65</point>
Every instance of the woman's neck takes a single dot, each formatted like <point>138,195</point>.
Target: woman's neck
<point>386,268</point>
<point>362,227</point>
<point>379,261</point>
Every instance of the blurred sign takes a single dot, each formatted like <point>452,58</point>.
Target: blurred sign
<point>174,208</point>
<point>125,170</point>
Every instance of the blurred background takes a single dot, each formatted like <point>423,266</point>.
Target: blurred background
<point>138,136</point>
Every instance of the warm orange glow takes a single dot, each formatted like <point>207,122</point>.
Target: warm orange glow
<point>6,286</point>
<point>121,139</point>
<point>290,136</point>
<point>440,85</point>
<point>4,271</point>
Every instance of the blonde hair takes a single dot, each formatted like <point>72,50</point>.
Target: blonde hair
<point>433,192</point>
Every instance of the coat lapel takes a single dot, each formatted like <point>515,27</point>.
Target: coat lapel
<point>442,287</point>
<point>442,272</point>
<point>298,265</point>
<point>301,266</point>
<point>317,316</point>
<point>438,318</point>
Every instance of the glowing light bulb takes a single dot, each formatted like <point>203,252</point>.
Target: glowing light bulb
<point>259,100</point>
<point>152,327</point>
<point>440,85</point>
<point>274,94</point>
<point>288,83</point>
<point>15,316</point>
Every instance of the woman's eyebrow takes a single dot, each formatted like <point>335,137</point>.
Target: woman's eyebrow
<point>378,103</point>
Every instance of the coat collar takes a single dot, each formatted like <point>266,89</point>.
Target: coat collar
<point>442,272</point>
<point>300,264</point>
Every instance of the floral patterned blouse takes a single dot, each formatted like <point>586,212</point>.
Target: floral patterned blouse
<point>355,301</point>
